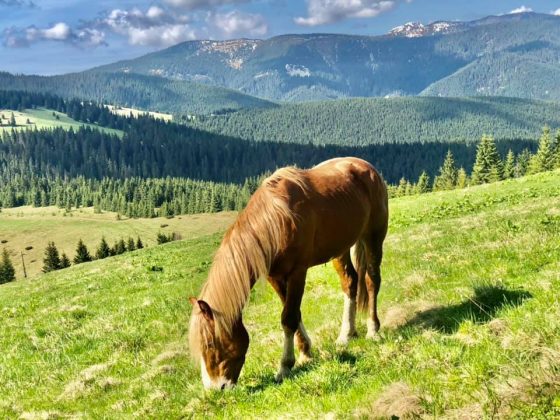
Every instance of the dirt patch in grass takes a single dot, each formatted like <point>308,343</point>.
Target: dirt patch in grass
<point>397,400</point>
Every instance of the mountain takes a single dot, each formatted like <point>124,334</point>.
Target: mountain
<point>137,91</point>
<point>514,55</point>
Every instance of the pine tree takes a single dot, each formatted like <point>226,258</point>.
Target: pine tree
<point>423,184</point>
<point>13,120</point>
<point>543,160</point>
<point>82,253</point>
<point>509,165</point>
<point>401,189</point>
<point>488,165</point>
<point>462,178</point>
<point>139,244</point>
<point>556,150</point>
<point>51,261</point>
<point>130,246</point>
<point>64,261</point>
<point>447,178</point>
<point>522,164</point>
<point>103,250</point>
<point>119,248</point>
<point>7,271</point>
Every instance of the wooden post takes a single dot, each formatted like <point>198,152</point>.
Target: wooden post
<point>23,263</point>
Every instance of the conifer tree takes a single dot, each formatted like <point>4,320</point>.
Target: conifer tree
<point>64,261</point>
<point>556,150</point>
<point>7,271</point>
<point>509,165</point>
<point>51,261</point>
<point>447,178</point>
<point>543,160</point>
<point>423,184</point>
<point>488,165</point>
<point>103,250</point>
<point>462,178</point>
<point>401,189</point>
<point>119,248</point>
<point>82,253</point>
<point>13,120</point>
<point>130,246</point>
<point>522,164</point>
<point>139,244</point>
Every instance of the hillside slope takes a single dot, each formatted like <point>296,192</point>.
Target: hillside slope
<point>407,61</point>
<point>369,121</point>
<point>469,308</point>
<point>136,91</point>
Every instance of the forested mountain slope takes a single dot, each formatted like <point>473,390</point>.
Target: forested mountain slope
<point>444,58</point>
<point>369,121</point>
<point>137,91</point>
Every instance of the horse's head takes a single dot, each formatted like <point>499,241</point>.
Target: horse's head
<point>221,353</point>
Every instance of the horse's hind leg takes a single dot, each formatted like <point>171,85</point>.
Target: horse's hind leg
<point>349,282</point>
<point>374,255</point>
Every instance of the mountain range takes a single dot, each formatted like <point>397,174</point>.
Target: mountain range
<point>516,55</point>
<point>509,55</point>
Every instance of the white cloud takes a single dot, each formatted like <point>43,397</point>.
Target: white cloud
<point>200,4</point>
<point>60,32</point>
<point>522,9</point>
<point>556,12</point>
<point>155,27</point>
<point>321,12</point>
<point>236,23</point>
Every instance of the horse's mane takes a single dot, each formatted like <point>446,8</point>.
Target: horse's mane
<point>246,254</point>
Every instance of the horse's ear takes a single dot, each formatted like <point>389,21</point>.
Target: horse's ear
<point>204,308</point>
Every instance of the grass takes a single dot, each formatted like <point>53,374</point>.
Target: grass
<point>470,317</point>
<point>41,118</point>
<point>126,112</point>
<point>25,227</point>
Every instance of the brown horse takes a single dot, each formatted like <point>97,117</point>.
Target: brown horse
<point>296,219</point>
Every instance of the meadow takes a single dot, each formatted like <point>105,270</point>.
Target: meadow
<point>25,227</point>
<point>45,118</point>
<point>469,309</point>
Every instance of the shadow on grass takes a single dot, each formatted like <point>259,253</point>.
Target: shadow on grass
<point>267,379</point>
<point>480,308</point>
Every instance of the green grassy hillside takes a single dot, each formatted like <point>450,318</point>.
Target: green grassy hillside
<point>470,325</point>
<point>45,118</point>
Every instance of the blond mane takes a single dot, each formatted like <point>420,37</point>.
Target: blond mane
<point>245,254</point>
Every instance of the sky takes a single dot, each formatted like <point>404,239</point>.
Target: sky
<point>57,36</point>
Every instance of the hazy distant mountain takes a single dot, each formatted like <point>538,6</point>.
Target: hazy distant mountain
<point>515,55</point>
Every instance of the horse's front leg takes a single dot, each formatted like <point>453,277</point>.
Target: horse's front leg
<point>291,322</point>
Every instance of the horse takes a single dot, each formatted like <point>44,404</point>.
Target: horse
<point>296,219</point>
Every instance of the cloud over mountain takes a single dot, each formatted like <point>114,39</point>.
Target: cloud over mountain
<point>59,32</point>
<point>238,23</point>
<point>321,12</point>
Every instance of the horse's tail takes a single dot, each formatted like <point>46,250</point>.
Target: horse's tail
<point>358,254</point>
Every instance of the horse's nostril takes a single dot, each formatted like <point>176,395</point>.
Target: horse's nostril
<point>223,386</point>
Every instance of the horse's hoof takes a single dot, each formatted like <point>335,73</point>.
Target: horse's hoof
<point>373,336</point>
<point>303,359</point>
<point>282,374</point>
<point>342,341</point>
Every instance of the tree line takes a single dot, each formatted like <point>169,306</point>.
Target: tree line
<point>488,167</point>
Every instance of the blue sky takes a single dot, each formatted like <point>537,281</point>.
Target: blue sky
<point>58,36</point>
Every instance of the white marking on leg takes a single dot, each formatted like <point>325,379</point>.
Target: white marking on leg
<point>288,357</point>
<point>371,330</point>
<point>304,357</point>
<point>348,327</point>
